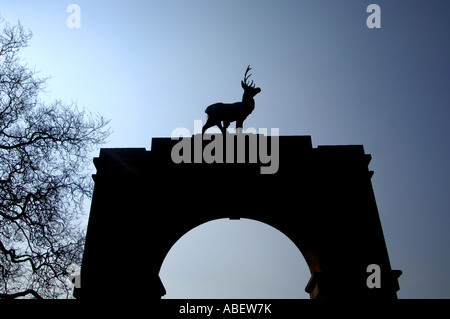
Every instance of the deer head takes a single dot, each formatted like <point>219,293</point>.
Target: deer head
<point>249,89</point>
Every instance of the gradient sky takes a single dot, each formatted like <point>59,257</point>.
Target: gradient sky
<point>153,66</point>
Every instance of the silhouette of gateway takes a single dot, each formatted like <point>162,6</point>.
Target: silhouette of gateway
<point>321,198</point>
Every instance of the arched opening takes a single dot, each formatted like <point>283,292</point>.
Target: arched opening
<point>235,259</point>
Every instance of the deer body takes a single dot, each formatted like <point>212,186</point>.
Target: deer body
<point>230,112</point>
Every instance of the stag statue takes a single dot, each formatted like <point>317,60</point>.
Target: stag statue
<point>227,113</point>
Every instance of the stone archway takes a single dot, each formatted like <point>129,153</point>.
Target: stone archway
<point>321,198</point>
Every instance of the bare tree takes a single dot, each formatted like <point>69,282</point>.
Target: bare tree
<point>44,179</point>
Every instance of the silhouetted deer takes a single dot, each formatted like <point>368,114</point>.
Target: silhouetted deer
<point>218,112</point>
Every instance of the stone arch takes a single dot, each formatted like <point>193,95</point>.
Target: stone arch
<point>321,198</point>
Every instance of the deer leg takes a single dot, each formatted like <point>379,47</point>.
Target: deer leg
<point>239,125</point>
<point>207,125</point>
<point>225,125</point>
<point>222,129</point>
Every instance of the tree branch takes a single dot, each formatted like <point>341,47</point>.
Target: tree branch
<point>21,294</point>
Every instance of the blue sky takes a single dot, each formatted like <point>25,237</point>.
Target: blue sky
<point>153,66</point>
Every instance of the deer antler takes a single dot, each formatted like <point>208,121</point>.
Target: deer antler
<point>247,76</point>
